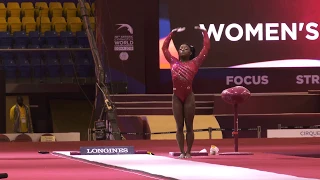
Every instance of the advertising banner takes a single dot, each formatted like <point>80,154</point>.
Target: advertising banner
<point>120,39</point>
<point>107,150</point>
<point>247,33</point>
<point>266,46</point>
<point>293,133</point>
<point>261,79</point>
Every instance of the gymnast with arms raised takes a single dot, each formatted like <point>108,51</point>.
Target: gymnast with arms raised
<point>183,71</point>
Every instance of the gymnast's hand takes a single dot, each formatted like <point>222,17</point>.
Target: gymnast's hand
<point>199,28</point>
<point>179,29</point>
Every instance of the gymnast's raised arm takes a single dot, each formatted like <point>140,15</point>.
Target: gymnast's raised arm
<point>205,49</point>
<point>166,43</point>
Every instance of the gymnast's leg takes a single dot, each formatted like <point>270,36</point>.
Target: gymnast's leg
<point>189,111</point>
<point>177,108</point>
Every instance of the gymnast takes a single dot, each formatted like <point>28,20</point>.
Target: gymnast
<point>183,71</point>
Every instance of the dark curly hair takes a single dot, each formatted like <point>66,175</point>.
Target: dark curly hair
<point>193,51</point>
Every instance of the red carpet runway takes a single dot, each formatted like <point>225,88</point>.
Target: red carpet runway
<point>297,157</point>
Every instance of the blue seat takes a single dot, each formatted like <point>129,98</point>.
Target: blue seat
<point>21,57</point>
<point>24,68</point>
<point>82,39</point>
<point>68,68</point>
<point>37,66</point>
<point>53,69</point>
<point>6,55</point>
<point>22,63</point>
<point>67,38</point>
<point>10,68</point>
<point>80,55</point>
<point>83,68</point>
<point>5,39</point>
<point>20,39</point>
<point>52,63</point>
<point>66,61</point>
<point>36,38</point>
<point>52,38</point>
<point>35,56</point>
<point>8,63</point>
<point>90,57</point>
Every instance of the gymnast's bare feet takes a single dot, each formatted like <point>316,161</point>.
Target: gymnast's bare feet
<point>188,155</point>
<point>182,155</point>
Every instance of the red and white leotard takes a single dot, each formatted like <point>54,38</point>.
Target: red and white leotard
<point>183,72</point>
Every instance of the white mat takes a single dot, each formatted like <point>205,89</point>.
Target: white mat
<point>181,169</point>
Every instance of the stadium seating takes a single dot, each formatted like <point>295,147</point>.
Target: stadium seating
<point>41,9</point>
<point>28,24</point>
<point>27,9</point>
<point>3,10</point>
<point>46,24</point>
<point>59,24</point>
<point>74,24</point>
<point>3,25</point>
<point>43,24</point>
<point>69,10</point>
<point>13,9</point>
<point>14,24</point>
<point>21,40</point>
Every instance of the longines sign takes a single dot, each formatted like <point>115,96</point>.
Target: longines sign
<point>107,150</point>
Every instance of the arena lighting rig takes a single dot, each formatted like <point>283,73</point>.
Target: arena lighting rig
<point>109,107</point>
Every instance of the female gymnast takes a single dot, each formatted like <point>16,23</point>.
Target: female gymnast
<point>183,71</point>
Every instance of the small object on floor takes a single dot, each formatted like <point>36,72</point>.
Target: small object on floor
<point>3,175</point>
<point>43,152</point>
<point>214,150</point>
<point>75,153</point>
<point>203,151</point>
<point>193,153</point>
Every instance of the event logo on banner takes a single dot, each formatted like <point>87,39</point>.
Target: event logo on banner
<point>107,150</point>
<point>123,40</point>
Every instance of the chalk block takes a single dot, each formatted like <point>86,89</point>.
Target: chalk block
<point>193,153</point>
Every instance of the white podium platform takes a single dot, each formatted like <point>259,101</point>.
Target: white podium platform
<point>70,136</point>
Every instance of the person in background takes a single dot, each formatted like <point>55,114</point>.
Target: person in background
<point>20,117</point>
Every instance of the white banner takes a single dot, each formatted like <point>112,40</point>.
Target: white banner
<point>293,133</point>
